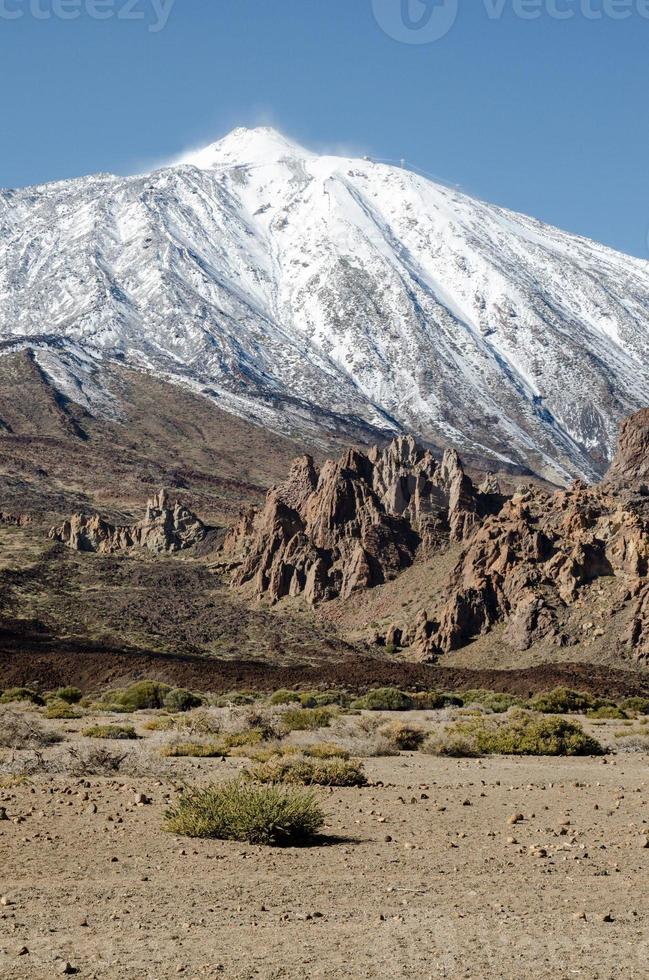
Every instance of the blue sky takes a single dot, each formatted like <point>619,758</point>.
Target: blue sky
<point>547,116</point>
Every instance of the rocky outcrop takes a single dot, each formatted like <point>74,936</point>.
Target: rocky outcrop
<point>165,529</point>
<point>630,466</point>
<point>14,520</point>
<point>355,523</point>
<point>528,564</point>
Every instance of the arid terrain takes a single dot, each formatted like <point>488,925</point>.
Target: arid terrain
<point>492,867</point>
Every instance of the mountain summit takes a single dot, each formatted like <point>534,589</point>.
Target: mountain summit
<point>297,290</point>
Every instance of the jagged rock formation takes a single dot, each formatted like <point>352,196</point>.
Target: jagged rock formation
<point>356,523</point>
<point>165,529</point>
<point>524,561</point>
<point>527,564</point>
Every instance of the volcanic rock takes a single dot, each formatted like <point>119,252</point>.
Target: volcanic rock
<point>166,528</point>
<point>356,523</point>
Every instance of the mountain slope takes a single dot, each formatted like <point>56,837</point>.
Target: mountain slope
<point>297,290</point>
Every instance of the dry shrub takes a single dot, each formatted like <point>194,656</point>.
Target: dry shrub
<point>196,750</point>
<point>118,732</point>
<point>304,771</point>
<point>95,760</point>
<point>243,812</point>
<point>632,742</point>
<point>19,731</point>
<point>406,738</point>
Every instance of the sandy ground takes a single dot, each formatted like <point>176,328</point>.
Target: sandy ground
<point>423,875</point>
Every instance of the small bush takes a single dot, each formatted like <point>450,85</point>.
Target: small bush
<point>491,700</point>
<point>111,731</point>
<point>632,742</point>
<point>243,812</point>
<point>637,705</point>
<point>563,701</point>
<point>21,694</point>
<point>95,760</point>
<point>196,750</point>
<point>519,734</point>
<point>19,732</point>
<point>284,697</point>
<point>407,738</point>
<point>310,772</point>
<point>234,699</point>
<point>71,695</point>
<point>306,719</point>
<point>385,699</point>
<point>166,723</point>
<point>56,709</point>
<point>325,750</point>
<point>137,697</point>
<point>435,700</point>
<point>180,700</point>
<point>609,711</point>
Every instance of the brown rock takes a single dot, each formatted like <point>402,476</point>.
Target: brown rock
<point>166,528</point>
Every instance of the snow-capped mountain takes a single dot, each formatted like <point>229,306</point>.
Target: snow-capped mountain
<point>295,289</point>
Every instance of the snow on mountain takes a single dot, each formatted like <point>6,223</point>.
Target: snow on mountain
<point>295,289</point>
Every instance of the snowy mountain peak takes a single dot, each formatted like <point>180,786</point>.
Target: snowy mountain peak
<point>304,291</point>
<point>241,147</point>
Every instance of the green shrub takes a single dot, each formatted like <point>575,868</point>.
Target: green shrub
<point>137,697</point>
<point>406,738</point>
<point>71,695</point>
<point>636,705</point>
<point>111,731</point>
<point>180,700</point>
<point>284,697</point>
<point>306,719</point>
<point>310,772</point>
<point>196,750</point>
<point>607,711</point>
<point>244,812</point>
<point>491,700</point>
<point>563,701</point>
<point>520,734</point>
<point>234,699</point>
<point>326,698</point>
<point>250,736</point>
<point>57,709</point>
<point>434,700</point>
<point>21,694</point>
<point>385,699</point>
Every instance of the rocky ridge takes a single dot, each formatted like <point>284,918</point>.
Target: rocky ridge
<point>355,523</point>
<point>165,529</point>
<point>524,562</point>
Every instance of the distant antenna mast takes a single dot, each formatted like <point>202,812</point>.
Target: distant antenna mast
<point>403,164</point>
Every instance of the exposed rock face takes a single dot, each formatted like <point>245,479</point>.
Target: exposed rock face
<point>527,564</point>
<point>356,523</point>
<point>630,466</point>
<point>165,529</point>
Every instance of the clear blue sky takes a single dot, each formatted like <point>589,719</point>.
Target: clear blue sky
<point>545,116</point>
